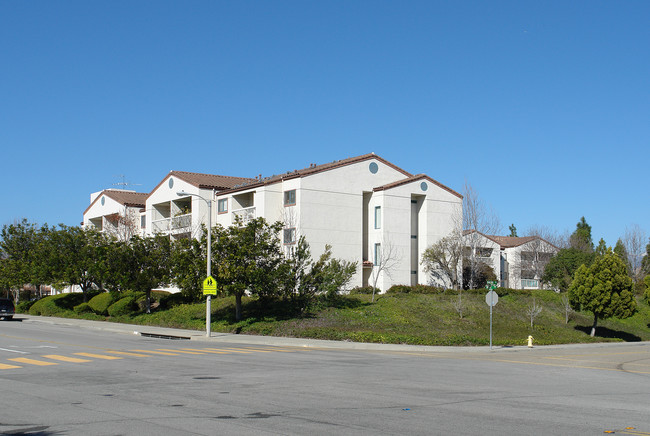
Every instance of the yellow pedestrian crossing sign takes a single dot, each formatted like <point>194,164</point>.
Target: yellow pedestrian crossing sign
<point>210,286</point>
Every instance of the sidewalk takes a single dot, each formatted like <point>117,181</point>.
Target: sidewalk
<point>218,337</point>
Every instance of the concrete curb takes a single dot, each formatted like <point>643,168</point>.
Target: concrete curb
<point>195,335</point>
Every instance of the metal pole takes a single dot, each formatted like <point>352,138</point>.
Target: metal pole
<point>208,311</point>
<point>491,305</point>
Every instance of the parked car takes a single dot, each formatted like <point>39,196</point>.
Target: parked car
<point>7,308</point>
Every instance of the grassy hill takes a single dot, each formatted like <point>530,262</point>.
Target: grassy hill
<point>426,319</point>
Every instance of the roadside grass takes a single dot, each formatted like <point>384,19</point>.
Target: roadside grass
<point>410,318</point>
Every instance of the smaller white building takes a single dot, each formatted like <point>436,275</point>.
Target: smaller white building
<point>117,212</point>
<point>518,262</point>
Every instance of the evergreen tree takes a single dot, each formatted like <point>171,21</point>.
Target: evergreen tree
<point>581,237</point>
<point>604,289</point>
<point>513,230</point>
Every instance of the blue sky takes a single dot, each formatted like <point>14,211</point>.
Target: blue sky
<point>543,107</point>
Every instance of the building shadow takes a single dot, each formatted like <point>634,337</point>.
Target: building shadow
<point>604,332</point>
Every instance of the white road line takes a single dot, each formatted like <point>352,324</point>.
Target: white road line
<point>13,351</point>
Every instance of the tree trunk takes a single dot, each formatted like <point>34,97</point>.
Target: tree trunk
<point>593,327</point>
<point>238,306</point>
<point>148,293</point>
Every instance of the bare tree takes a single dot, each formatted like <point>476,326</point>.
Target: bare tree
<point>386,259</point>
<point>533,258</point>
<point>477,218</point>
<point>123,226</point>
<point>443,261</point>
<point>533,310</point>
<point>634,241</point>
<point>560,240</point>
<point>568,310</point>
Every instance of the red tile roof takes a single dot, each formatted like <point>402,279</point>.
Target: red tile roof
<point>205,181</point>
<point>314,169</point>
<point>125,198</point>
<point>415,179</point>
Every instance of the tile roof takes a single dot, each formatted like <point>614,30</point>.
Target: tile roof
<point>414,179</point>
<point>508,241</point>
<point>205,181</point>
<point>126,198</point>
<point>314,169</point>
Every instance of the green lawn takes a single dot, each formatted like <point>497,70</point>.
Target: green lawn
<point>426,319</point>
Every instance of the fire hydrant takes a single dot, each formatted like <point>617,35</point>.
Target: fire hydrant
<point>530,341</point>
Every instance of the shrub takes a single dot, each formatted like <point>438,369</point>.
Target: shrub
<point>363,290</point>
<point>100,302</point>
<point>170,300</point>
<point>417,289</point>
<point>56,304</point>
<point>123,306</point>
<point>83,308</point>
<point>23,306</point>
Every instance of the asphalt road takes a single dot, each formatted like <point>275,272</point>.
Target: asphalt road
<point>59,377</point>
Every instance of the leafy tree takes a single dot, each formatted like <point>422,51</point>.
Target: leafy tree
<point>581,237</point>
<point>604,289</point>
<point>513,230</point>
<point>481,275</point>
<point>147,262</point>
<point>188,266</point>
<point>560,269</point>
<point>248,259</point>
<point>79,257</point>
<point>329,275</point>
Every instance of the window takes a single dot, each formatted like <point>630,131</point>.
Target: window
<point>290,197</point>
<point>143,221</point>
<point>378,217</point>
<point>483,252</point>
<point>290,235</point>
<point>377,253</point>
<point>222,205</point>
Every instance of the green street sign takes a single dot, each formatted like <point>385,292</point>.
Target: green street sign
<point>491,285</point>
<point>210,286</point>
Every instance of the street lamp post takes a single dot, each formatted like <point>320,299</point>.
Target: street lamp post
<point>208,311</point>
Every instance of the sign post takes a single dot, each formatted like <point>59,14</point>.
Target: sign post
<point>491,298</point>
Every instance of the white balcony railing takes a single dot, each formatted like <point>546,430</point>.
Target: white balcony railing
<point>246,214</point>
<point>182,221</point>
<point>160,225</point>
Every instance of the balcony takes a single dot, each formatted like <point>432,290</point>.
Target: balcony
<point>245,215</point>
<point>182,221</point>
<point>159,226</point>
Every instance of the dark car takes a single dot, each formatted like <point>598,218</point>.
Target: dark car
<point>7,308</point>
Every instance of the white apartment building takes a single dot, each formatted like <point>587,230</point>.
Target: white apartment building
<point>518,262</point>
<point>117,212</point>
<point>367,209</point>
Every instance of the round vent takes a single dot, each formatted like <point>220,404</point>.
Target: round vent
<point>373,167</point>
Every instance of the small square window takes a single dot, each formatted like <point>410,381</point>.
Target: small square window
<point>290,197</point>
<point>290,235</point>
<point>222,205</point>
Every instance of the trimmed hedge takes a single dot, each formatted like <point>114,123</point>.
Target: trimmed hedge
<point>54,305</point>
<point>83,308</point>
<point>124,306</point>
<point>101,302</point>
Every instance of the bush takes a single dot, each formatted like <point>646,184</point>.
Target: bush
<point>123,306</point>
<point>363,290</point>
<point>170,300</point>
<point>417,289</point>
<point>55,305</point>
<point>23,306</point>
<point>100,303</point>
<point>83,308</point>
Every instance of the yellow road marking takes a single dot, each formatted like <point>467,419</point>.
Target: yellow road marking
<point>229,350</point>
<point>66,358</point>
<point>156,352</point>
<point>5,366</point>
<point>281,350</point>
<point>179,351</point>
<point>256,350</point>
<point>568,366</point>
<point>205,350</point>
<point>128,354</point>
<point>98,356</point>
<point>32,361</point>
<point>598,361</point>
